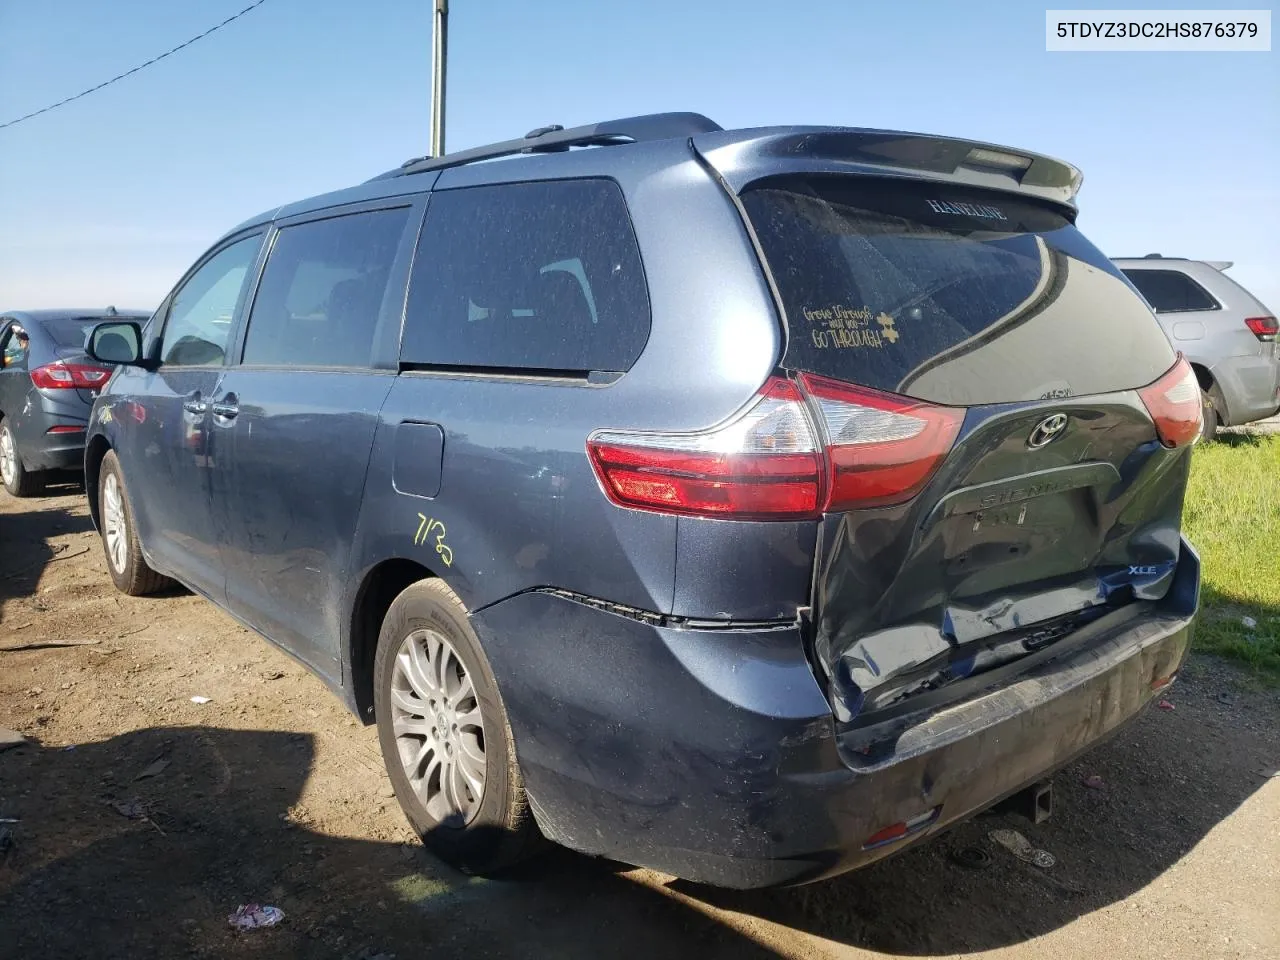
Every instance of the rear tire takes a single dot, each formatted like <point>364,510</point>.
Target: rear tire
<point>18,480</point>
<point>1210,429</point>
<point>445,737</point>
<point>125,562</point>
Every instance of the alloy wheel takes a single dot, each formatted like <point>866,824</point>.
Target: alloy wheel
<point>114,528</point>
<point>8,456</point>
<point>438,727</point>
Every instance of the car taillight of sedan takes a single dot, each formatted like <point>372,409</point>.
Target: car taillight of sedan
<point>61,375</point>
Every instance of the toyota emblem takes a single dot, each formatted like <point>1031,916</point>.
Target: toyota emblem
<point>1047,430</point>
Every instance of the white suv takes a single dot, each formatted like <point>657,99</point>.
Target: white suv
<point>1226,333</point>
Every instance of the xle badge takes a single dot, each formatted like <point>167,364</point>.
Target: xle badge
<point>1047,430</point>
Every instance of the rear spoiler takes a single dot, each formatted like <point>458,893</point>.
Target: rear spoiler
<point>743,156</point>
<point>1218,265</point>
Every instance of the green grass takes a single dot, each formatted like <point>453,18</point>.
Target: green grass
<point>1232,516</point>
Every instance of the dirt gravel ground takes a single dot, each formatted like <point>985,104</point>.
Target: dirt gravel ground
<point>272,793</point>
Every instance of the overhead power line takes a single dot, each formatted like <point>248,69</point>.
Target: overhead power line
<point>141,66</point>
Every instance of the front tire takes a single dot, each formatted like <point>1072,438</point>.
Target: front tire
<point>445,737</point>
<point>125,561</point>
<point>18,480</point>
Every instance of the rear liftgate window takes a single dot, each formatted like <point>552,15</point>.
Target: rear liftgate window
<point>536,277</point>
<point>949,295</point>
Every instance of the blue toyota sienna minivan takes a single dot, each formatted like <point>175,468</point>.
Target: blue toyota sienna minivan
<point>743,504</point>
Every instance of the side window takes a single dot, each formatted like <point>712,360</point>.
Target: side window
<point>198,327</point>
<point>322,290</point>
<point>1171,291</point>
<point>532,276</point>
<point>14,345</point>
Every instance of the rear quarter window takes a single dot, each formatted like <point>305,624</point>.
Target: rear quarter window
<point>950,295</point>
<point>528,276</point>
<point>1171,291</point>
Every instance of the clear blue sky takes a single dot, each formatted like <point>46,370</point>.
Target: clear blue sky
<point>109,199</point>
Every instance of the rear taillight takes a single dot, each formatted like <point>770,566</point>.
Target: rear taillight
<point>1264,328</point>
<point>764,464</point>
<point>61,375</point>
<point>881,448</point>
<point>771,462</point>
<point>1175,405</point>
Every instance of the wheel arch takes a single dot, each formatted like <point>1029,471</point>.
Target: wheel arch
<point>1209,384</point>
<point>379,587</point>
<point>1203,375</point>
<point>95,452</point>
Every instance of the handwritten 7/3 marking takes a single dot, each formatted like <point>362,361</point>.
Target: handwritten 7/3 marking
<point>425,527</point>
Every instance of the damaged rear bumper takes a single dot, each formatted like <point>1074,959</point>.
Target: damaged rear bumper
<point>712,754</point>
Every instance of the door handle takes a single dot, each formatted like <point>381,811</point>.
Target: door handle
<point>193,404</point>
<point>227,407</point>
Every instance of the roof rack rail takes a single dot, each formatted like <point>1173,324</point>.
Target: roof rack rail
<point>556,139</point>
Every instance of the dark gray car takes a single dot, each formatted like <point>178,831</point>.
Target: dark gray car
<point>743,504</point>
<point>47,386</point>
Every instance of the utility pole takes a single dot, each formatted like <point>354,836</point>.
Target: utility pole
<point>439,54</point>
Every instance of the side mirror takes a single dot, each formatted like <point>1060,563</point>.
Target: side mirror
<point>118,341</point>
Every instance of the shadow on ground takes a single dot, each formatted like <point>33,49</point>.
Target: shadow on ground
<point>26,551</point>
<point>24,546</point>
<point>63,484</point>
<point>1239,439</point>
<point>223,828</point>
